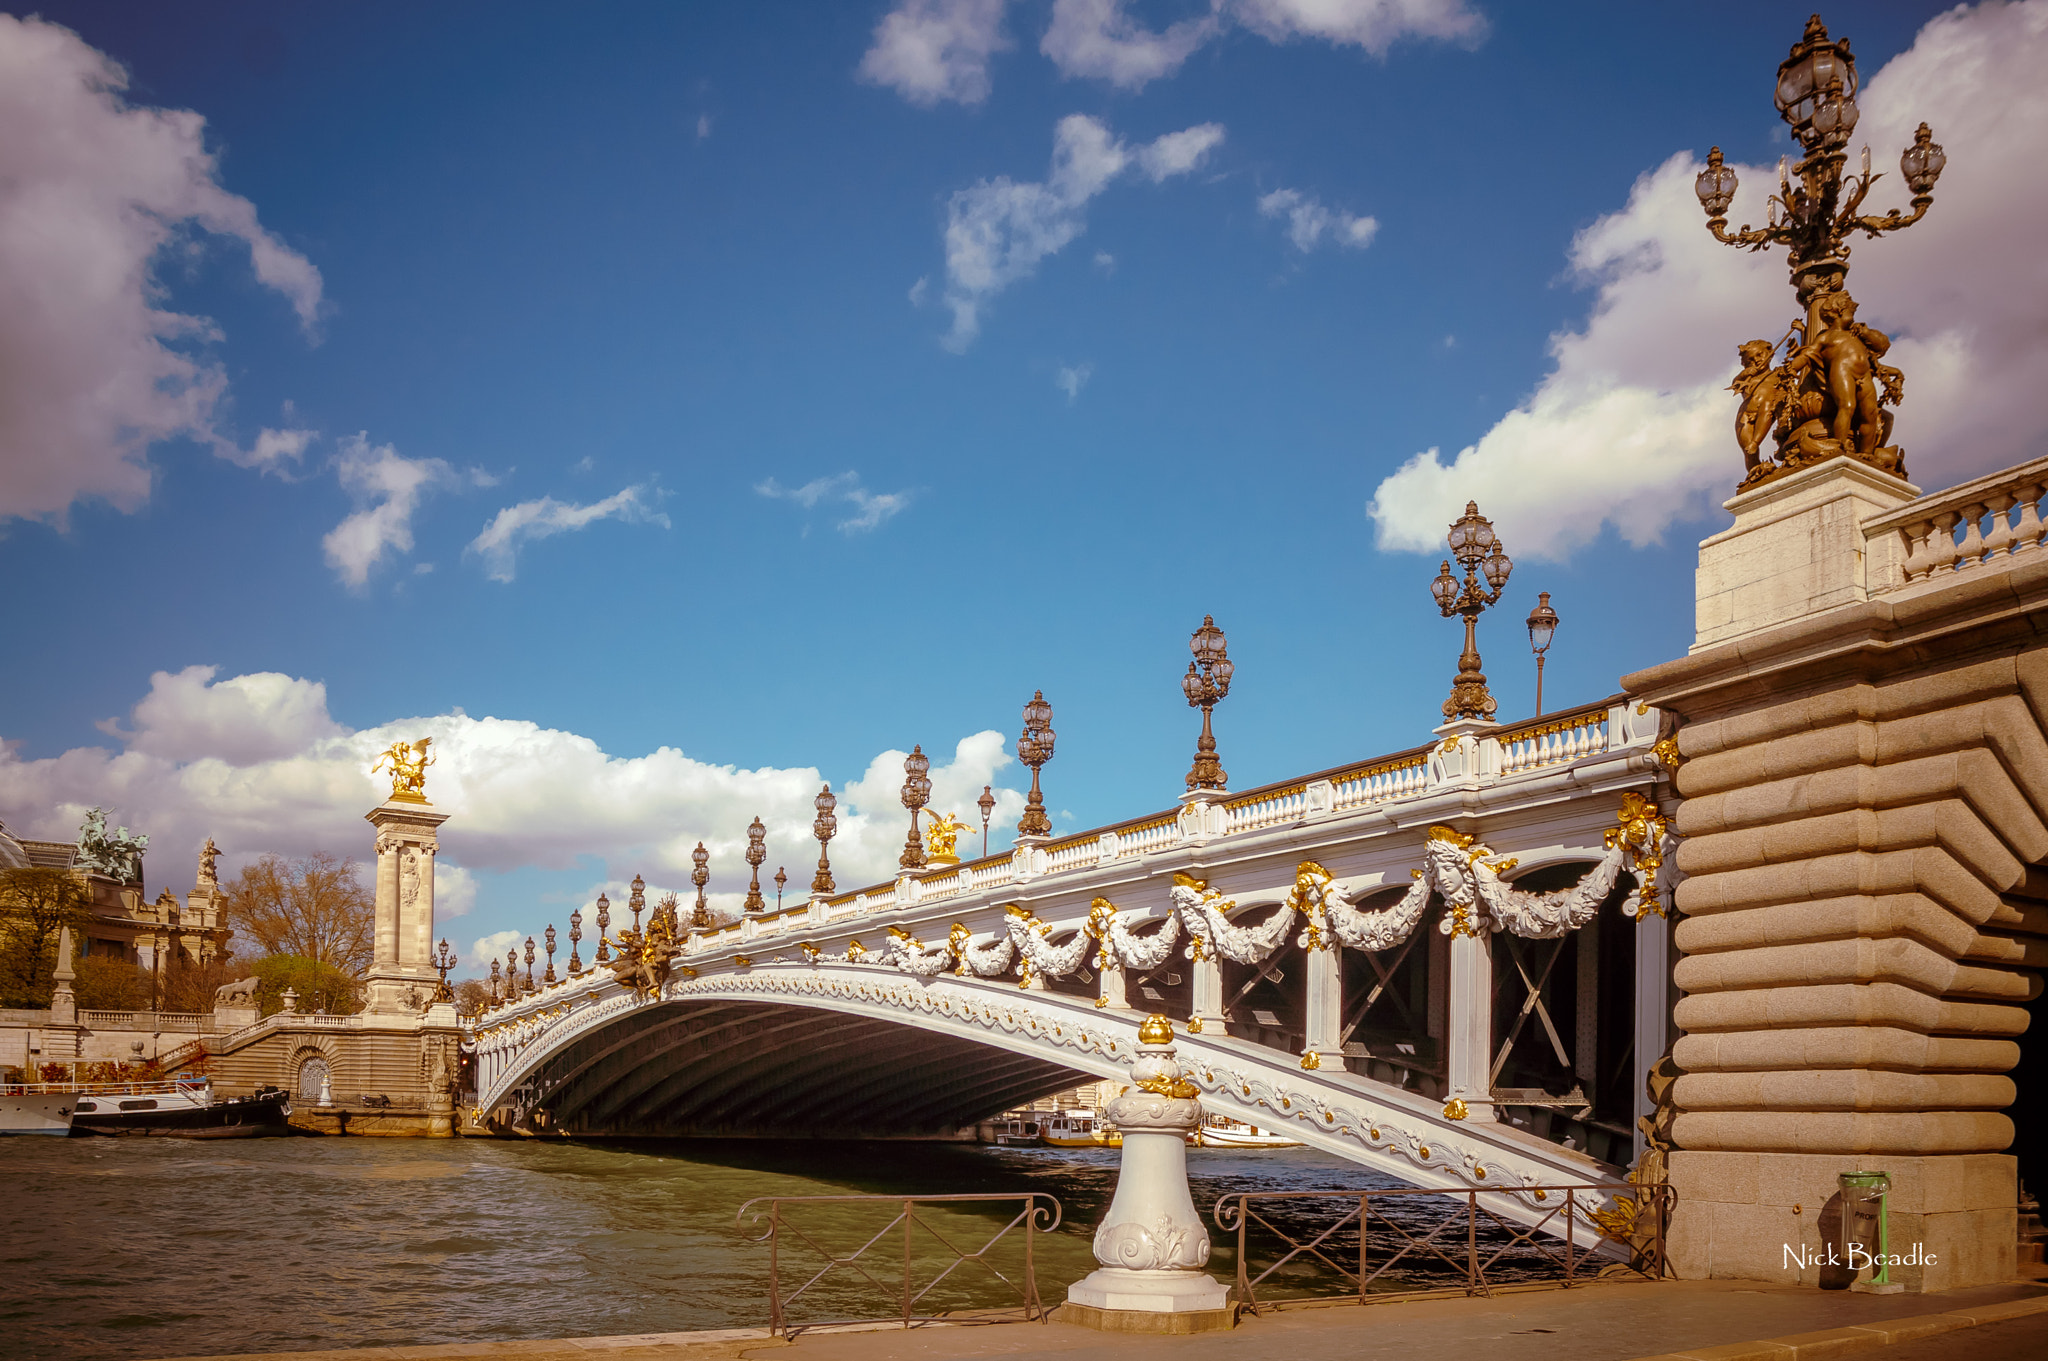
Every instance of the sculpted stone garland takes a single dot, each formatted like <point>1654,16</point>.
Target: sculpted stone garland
<point>1456,867</point>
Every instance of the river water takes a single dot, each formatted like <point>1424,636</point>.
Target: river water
<point>129,1248</point>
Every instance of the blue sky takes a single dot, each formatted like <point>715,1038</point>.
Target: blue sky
<point>653,259</point>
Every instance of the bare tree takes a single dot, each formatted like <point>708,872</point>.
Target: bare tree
<point>313,907</point>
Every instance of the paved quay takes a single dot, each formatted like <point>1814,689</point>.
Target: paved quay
<point>1697,1320</point>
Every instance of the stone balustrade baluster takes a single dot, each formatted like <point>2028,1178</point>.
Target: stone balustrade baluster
<point>1971,551</point>
<point>2027,534</point>
<point>1999,540</point>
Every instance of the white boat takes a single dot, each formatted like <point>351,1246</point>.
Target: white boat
<point>183,1107</point>
<point>36,1108</point>
<point>1220,1131</point>
<point>1079,1129</point>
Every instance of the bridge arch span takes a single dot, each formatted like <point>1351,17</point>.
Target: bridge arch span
<point>844,1050</point>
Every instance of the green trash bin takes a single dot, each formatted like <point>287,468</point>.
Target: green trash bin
<point>1863,1223</point>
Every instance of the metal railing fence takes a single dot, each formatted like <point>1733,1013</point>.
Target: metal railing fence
<point>1036,1213</point>
<point>1471,1249</point>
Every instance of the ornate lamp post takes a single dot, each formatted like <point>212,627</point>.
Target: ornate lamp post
<point>987,804</point>
<point>781,878</point>
<point>1542,624</point>
<point>549,976</point>
<point>637,900</point>
<point>917,791</point>
<point>700,876</point>
<point>1206,685</point>
<point>604,923</point>
<point>1477,549</point>
<point>757,851</point>
<point>1824,400</point>
<point>494,981</point>
<point>824,827</point>
<point>529,964</point>
<point>512,973</point>
<point>575,939</point>
<point>444,960</point>
<point>1034,749</point>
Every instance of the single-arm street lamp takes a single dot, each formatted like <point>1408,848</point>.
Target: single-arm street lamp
<point>1542,624</point>
<point>987,804</point>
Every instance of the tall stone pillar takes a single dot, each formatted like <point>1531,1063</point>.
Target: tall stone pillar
<point>1863,771</point>
<point>402,979</point>
<point>1469,1042</point>
<point>1324,1042</point>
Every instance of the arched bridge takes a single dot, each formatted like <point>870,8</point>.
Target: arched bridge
<point>1450,963</point>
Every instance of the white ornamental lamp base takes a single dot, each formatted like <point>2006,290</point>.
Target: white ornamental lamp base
<point>1151,1243</point>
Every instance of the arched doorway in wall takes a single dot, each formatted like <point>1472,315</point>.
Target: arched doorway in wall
<point>313,1074</point>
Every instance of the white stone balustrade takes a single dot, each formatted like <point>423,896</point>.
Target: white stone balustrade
<point>1957,529</point>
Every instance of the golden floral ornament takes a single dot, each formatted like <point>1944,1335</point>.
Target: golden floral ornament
<point>1456,1109</point>
<point>1641,834</point>
<point>1311,1060</point>
<point>1156,1029</point>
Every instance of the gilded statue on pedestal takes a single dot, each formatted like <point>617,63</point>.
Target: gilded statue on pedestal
<point>409,762</point>
<point>942,835</point>
<point>1827,399</point>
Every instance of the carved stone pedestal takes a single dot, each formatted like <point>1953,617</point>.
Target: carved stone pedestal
<point>1151,1243</point>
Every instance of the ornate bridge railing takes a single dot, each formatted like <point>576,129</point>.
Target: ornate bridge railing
<point>896,1259</point>
<point>1411,1242</point>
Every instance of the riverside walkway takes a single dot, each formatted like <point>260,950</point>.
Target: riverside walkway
<point>1695,1320</point>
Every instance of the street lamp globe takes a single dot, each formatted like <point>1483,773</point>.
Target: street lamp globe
<point>1542,624</point>
<point>1445,589</point>
<point>1191,686</point>
<point>1921,162</point>
<point>1497,566</point>
<point>1715,185</point>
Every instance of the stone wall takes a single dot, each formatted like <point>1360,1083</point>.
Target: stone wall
<point>408,1066</point>
<point>1865,821</point>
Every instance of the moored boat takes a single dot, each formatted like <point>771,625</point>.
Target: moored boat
<point>36,1108</point>
<point>1220,1131</point>
<point>1079,1129</point>
<point>182,1107</point>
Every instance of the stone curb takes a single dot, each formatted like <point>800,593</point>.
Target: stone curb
<point>1833,1342</point>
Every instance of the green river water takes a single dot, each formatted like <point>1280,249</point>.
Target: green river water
<point>127,1248</point>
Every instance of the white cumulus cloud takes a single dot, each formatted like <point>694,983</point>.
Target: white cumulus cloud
<point>997,231</point>
<point>387,488</point>
<point>1310,223</point>
<point>94,365</point>
<point>1101,39</point>
<point>934,50</point>
<point>866,509</point>
<point>498,544</point>
<point>257,763</point>
<point>1633,425</point>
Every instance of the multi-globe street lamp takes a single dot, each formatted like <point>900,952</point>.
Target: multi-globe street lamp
<point>700,919</point>
<point>824,827</point>
<point>1206,685</point>
<point>1034,749</point>
<point>1826,398</point>
<point>1478,550</point>
<point>757,851</point>
<point>917,792</point>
